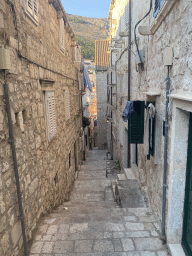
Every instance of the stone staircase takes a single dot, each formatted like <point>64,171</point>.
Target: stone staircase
<point>127,192</point>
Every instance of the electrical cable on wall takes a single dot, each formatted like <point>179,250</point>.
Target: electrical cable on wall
<point>142,63</point>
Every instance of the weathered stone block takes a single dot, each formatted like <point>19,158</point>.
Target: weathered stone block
<point>143,244</point>
<point>16,233</point>
<point>40,110</point>
<point>33,186</point>
<point>5,242</point>
<point>1,20</point>
<point>127,244</point>
<point>2,223</point>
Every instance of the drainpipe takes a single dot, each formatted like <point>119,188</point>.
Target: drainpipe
<point>12,141</point>
<point>165,155</point>
<point>129,76</point>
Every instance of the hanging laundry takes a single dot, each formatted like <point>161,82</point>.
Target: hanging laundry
<point>86,79</point>
<point>150,114</point>
<point>129,109</point>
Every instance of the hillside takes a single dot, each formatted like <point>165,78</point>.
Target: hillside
<point>87,30</point>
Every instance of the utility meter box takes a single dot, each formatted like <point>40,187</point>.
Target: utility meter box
<point>5,62</point>
<point>137,59</point>
<point>168,56</point>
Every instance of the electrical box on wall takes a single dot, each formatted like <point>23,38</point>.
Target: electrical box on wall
<point>168,56</point>
<point>137,59</point>
<point>5,62</point>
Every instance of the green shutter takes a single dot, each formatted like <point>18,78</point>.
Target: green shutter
<point>136,126</point>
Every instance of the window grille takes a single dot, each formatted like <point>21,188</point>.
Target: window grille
<point>62,34</point>
<point>31,8</point>
<point>50,113</point>
<point>67,105</point>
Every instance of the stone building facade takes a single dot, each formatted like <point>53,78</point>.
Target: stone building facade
<point>164,38</point>
<point>45,100</point>
<point>101,65</point>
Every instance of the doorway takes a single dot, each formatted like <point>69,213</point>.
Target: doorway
<point>187,222</point>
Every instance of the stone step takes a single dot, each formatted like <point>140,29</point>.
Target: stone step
<point>121,176</point>
<point>128,194</point>
<point>129,174</point>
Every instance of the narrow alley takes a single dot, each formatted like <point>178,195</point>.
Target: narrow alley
<point>91,222</point>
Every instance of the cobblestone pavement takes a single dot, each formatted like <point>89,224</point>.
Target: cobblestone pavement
<point>92,224</point>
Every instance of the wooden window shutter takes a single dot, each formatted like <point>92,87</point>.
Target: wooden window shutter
<point>35,9</point>
<point>29,7</point>
<point>67,105</point>
<point>62,34</point>
<point>50,112</point>
<point>136,125</point>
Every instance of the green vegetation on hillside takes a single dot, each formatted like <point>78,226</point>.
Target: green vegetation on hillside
<point>87,30</point>
<point>87,48</point>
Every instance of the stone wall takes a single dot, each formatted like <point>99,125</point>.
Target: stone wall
<point>101,82</point>
<point>46,168</point>
<point>175,31</point>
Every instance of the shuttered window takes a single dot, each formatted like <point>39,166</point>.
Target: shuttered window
<point>136,124</point>
<point>67,105</point>
<point>50,113</point>
<point>157,7</point>
<point>62,34</point>
<point>31,8</point>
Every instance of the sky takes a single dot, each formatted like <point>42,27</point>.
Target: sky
<point>88,8</point>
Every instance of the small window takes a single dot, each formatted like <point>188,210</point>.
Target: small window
<point>62,34</point>
<point>67,105</point>
<point>31,9</point>
<point>157,7</point>
<point>50,113</point>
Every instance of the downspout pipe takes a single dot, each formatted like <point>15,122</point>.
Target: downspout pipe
<point>129,77</point>
<point>165,155</point>
<point>12,141</point>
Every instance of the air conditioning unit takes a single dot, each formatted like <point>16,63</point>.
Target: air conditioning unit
<point>123,34</point>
